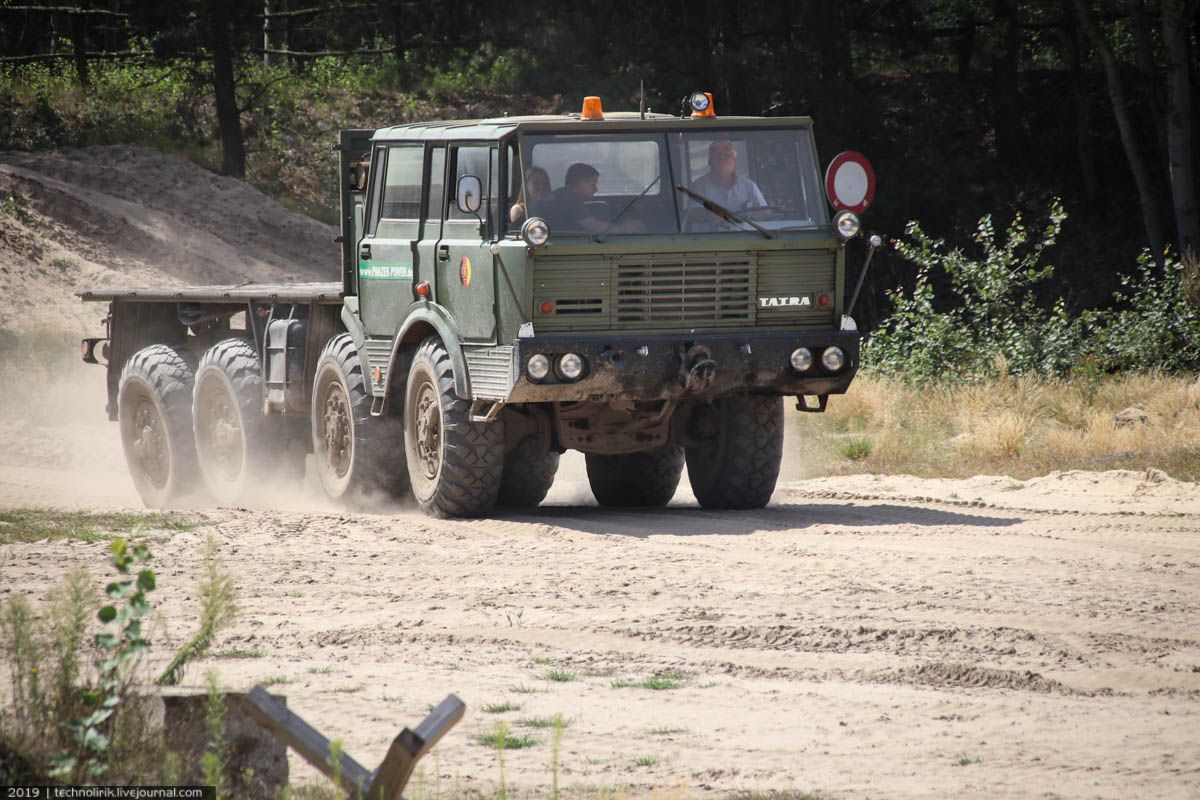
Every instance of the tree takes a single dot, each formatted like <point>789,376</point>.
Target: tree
<point>1176,20</point>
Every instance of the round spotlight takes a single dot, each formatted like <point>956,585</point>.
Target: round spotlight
<point>876,240</point>
<point>538,366</point>
<point>833,359</point>
<point>570,366</point>
<point>802,359</point>
<point>698,101</point>
<point>535,231</point>
<point>845,223</point>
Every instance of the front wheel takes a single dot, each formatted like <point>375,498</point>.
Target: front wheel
<point>528,474</point>
<point>635,479</point>
<point>359,458</point>
<point>455,465</point>
<point>740,468</point>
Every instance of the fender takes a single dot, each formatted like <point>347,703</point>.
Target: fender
<point>419,319</point>
<point>353,322</point>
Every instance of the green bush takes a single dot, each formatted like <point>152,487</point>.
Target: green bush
<point>979,315</point>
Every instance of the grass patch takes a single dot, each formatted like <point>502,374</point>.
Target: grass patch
<point>645,761</point>
<point>542,661</point>
<point>521,688</point>
<point>274,680</point>
<point>236,654</point>
<point>965,760</point>
<point>1022,426</point>
<point>320,670</point>
<point>22,525</point>
<point>666,730</point>
<point>499,708</point>
<point>503,739</point>
<point>542,722</point>
<point>348,689</point>
<point>558,676</point>
<point>659,681</point>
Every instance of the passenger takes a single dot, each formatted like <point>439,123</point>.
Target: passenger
<point>566,208</point>
<point>723,186</point>
<point>534,191</point>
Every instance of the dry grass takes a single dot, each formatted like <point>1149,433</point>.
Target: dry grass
<point>1019,426</point>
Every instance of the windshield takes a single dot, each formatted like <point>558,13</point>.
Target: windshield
<point>657,183</point>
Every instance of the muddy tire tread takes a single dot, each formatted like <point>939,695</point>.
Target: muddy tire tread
<point>742,470</point>
<point>528,475</point>
<point>635,480</point>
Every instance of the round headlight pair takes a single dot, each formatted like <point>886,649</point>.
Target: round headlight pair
<point>833,359</point>
<point>846,224</point>
<point>535,231</point>
<point>570,366</point>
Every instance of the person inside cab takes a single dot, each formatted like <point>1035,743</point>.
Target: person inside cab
<point>567,207</point>
<point>722,185</point>
<point>534,192</point>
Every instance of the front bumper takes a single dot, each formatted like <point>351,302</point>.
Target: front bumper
<point>662,367</point>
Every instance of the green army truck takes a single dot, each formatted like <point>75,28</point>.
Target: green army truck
<point>512,288</point>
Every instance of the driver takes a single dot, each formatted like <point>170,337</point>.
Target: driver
<point>723,186</point>
<point>567,208</point>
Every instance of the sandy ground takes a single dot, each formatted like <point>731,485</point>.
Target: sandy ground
<point>863,636</point>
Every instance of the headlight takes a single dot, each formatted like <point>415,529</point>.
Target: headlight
<point>833,359</point>
<point>699,101</point>
<point>570,366</point>
<point>845,222</point>
<point>538,366</point>
<point>801,359</point>
<point>535,231</point>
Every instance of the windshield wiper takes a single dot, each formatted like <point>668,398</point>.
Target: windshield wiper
<point>600,236</point>
<point>723,212</point>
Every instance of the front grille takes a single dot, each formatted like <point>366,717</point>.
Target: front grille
<point>693,293</point>
<point>684,291</point>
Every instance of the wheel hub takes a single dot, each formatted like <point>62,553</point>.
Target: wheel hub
<point>150,443</point>
<point>338,431</point>
<point>429,431</point>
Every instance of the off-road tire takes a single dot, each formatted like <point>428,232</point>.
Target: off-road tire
<point>455,465</point>
<point>362,460</point>
<point>154,412</point>
<point>636,480</point>
<point>740,469</point>
<point>238,446</point>
<point>528,474</point>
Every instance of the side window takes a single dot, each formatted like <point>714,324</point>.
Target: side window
<point>493,191</point>
<point>517,211</point>
<point>436,198</point>
<point>402,183</point>
<point>469,161</point>
<point>376,188</point>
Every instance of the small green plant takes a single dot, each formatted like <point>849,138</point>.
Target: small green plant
<point>326,670</point>
<point>348,689</point>
<point>218,608</point>
<point>274,680</point>
<point>35,524</point>
<point>238,654</point>
<point>543,661</point>
<point>667,730</point>
<point>543,722</point>
<point>10,205</point>
<point>645,761</point>
<point>63,263</point>
<point>335,768</point>
<point>501,739</point>
<point>120,646</point>
<point>659,681</point>
<point>521,688</point>
<point>856,449</point>
<point>964,760</point>
<point>213,760</point>
<point>558,675</point>
<point>499,708</point>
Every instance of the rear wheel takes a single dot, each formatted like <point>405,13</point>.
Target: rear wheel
<point>635,479</point>
<point>358,457</point>
<point>154,411</point>
<point>528,474</point>
<point>740,469</point>
<point>456,465</point>
<point>238,446</point>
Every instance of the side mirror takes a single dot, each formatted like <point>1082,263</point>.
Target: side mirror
<point>469,195</point>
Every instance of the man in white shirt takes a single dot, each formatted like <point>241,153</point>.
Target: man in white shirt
<point>723,186</point>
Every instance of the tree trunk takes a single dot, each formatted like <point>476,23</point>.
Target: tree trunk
<point>1143,52</point>
<point>79,42</point>
<point>1083,112</point>
<point>1179,126</point>
<point>1006,104</point>
<point>229,120</point>
<point>965,51</point>
<point>1116,93</point>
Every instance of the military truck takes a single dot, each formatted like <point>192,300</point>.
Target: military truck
<point>512,288</point>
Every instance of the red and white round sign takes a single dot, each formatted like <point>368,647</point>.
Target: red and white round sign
<point>850,182</point>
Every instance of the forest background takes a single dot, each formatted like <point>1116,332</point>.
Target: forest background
<point>968,109</point>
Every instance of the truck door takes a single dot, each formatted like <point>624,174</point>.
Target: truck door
<point>466,281</point>
<point>434,210</point>
<point>387,252</point>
